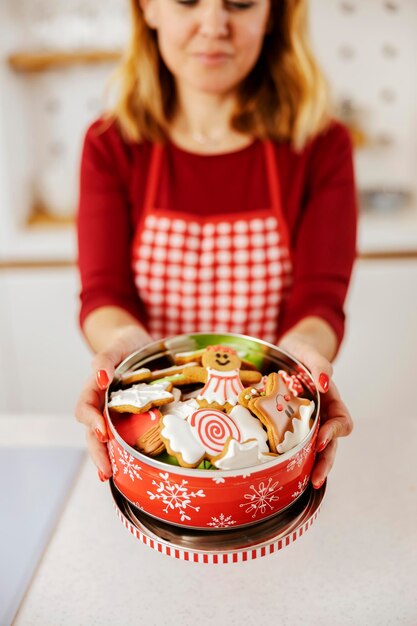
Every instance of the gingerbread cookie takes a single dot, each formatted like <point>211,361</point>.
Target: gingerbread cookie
<point>135,376</point>
<point>150,443</point>
<point>236,455</point>
<point>191,433</point>
<point>173,370</point>
<point>223,377</point>
<point>280,412</point>
<point>292,381</point>
<point>140,398</point>
<point>144,374</point>
<point>178,380</point>
<point>182,358</point>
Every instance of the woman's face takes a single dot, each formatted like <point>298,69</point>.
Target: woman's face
<point>209,45</point>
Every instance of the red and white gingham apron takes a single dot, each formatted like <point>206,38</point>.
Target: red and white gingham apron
<point>220,273</point>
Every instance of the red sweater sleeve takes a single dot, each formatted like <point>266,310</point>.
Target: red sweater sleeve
<point>104,224</point>
<point>324,234</point>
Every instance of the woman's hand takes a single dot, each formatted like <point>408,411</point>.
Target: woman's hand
<point>89,409</point>
<point>335,417</point>
<point>335,422</point>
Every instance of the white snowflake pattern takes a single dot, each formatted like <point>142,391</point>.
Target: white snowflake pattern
<point>299,458</point>
<point>302,484</point>
<point>222,521</point>
<point>129,465</point>
<point>218,480</point>
<point>175,496</point>
<point>114,467</point>
<point>262,497</point>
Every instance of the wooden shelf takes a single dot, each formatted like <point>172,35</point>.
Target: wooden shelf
<point>40,218</point>
<point>41,61</point>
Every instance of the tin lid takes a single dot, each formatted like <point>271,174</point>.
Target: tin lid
<point>222,546</point>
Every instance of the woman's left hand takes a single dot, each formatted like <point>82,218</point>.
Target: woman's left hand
<point>335,417</point>
<point>335,422</point>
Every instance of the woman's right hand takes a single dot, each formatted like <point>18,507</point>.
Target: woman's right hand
<point>89,409</point>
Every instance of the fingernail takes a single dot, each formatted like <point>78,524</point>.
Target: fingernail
<point>322,445</point>
<point>100,436</point>
<point>324,381</point>
<point>102,379</point>
<point>101,476</point>
<point>320,484</point>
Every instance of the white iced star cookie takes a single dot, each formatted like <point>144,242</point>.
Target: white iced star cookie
<point>140,398</point>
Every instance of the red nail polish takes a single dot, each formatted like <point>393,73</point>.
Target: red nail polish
<point>324,381</point>
<point>322,445</point>
<point>101,476</point>
<point>102,438</point>
<point>102,379</point>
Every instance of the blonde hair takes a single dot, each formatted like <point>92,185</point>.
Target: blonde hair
<point>284,97</point>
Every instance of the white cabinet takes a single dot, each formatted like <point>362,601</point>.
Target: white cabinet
<point>376,367</point>
<point>43,359</point>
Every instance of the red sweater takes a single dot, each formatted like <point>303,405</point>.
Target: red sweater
<point>318,197</point>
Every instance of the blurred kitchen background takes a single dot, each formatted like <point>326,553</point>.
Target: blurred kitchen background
<point>55,60</point>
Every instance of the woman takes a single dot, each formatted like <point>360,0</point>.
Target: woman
<point>217,196</point>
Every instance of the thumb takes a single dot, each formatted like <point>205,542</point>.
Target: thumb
<point>322,372</point>
<point>105,363</point>
<point>321,369</point>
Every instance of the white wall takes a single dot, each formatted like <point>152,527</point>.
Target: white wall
<point>376,367</point>
<point>43,360</point>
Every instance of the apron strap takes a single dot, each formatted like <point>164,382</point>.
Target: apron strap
<point>275,189</point>
<point>153,177</point>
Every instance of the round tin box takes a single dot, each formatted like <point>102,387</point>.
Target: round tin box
<point>211,499</point>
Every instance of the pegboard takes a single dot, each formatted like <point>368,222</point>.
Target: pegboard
<point>367,49</point>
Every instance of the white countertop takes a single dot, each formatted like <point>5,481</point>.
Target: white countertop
<point>356,565</point>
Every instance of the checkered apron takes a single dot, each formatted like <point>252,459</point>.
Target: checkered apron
<point>219,273</point>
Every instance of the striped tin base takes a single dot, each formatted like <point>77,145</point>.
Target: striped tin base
<point>227,546</point>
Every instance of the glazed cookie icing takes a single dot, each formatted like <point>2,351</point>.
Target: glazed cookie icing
<point>176,432</point>
<point>300,429</point>
<point>222,387</point>
<point>141,395</point>
<point>238,455</point>
<point>193,433</point>
<point>212,429</point>
<point>292,382</point>
<point>250,427</point>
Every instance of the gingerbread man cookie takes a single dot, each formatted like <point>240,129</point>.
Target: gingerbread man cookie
<point>223,377</point>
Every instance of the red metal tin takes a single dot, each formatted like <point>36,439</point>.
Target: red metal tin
<point>212,499</point>
<point>224,545</point>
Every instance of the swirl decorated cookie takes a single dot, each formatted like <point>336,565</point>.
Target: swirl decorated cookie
<point>192,434</point>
